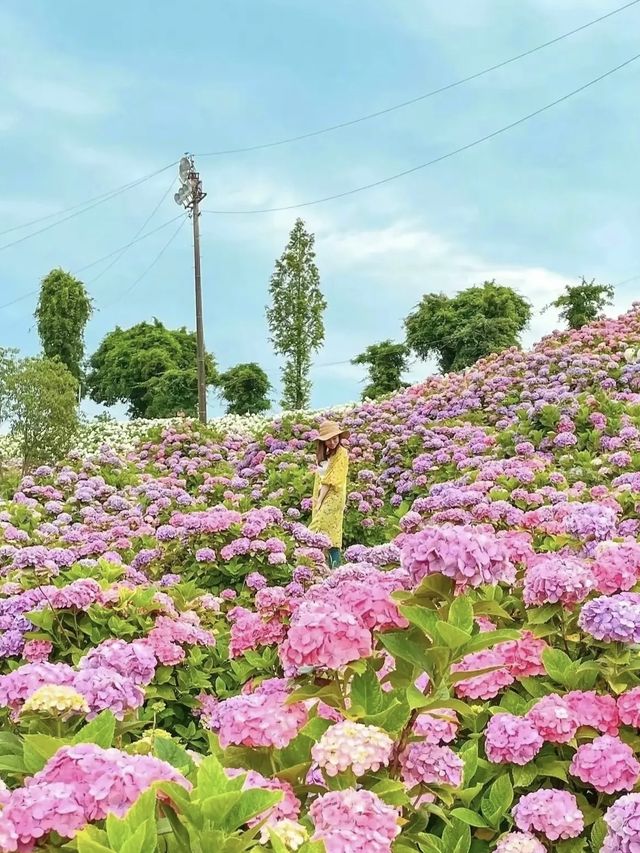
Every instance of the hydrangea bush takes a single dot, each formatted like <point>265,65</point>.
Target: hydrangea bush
<point>179,671</point>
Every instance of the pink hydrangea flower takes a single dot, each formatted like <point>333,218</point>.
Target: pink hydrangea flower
<point>553,813</point>
<point>470,556</point>
<point>554,719</point>
<point>616,566</point>
<point>523,657</point>
<point>606,764</point>
<point>322,636</point>
<point>623,820</point>
<point>256,719</point>
<point>511,740</point>
<point>30,814</point>
<point>135,661</point>
<point>250,631</point>
<point>487,685</point>
<point>37,651</point>
<point>592,709</point>
<point>354,822</point>
<point>105,688</point>
<point>552,578</point>
<point>427,764</point>
<point>437,726</point>
<point>629,707</point>
<point>352,746</point>
<point>520,842</point>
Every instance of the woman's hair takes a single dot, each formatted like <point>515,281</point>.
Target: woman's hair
<point>322,451</point>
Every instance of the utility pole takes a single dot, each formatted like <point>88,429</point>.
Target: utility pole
<point>189,196</point>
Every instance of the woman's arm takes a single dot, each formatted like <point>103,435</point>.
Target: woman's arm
<point>324,491</point>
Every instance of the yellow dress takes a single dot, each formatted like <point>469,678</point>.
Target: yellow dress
<point>328,519</point>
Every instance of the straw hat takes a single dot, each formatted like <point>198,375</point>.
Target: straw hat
<point>330,429</point>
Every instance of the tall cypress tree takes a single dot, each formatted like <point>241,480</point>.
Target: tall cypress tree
<point>295,316</point>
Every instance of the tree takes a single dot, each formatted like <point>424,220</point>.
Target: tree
<point>475,323</point>
<point>42,409</point>
<point>582,303</point>
<point>7,366</point>
<point>62,313</point>
<point>245,388</point>
<point>295,315</point>
<point>386,363</point>
<point>151,368</point>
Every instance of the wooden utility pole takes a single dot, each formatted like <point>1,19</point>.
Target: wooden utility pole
<point>190,195</point>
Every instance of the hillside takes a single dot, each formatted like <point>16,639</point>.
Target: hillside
<point>468,681</point>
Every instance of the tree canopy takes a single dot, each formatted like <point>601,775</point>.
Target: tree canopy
<point>459,330</point>
<point>245,388</point>
<point>151,368</point>
<point>295,315</point>
<point>63,310</point>
<point>42,409</point>
<point>582,303</point>
<point>385,363</point>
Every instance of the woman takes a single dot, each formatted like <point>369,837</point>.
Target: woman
<point>330,487</point>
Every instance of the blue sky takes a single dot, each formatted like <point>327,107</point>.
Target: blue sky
<point>96,95</point>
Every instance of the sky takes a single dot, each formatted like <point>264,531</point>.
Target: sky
<point>94,96</point>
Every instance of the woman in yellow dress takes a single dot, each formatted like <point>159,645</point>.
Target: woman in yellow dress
<point>330,487</point>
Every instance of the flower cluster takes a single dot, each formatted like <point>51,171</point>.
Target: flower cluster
<point>352,746</point>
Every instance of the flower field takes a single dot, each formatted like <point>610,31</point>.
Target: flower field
<point>180,672</point>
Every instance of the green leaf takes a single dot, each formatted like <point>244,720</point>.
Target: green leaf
<point>86,845</point>
<point>168,750</point>
<point>453,637</point>
<point>524,775</point>
<point>141,815</point>
<point>461,614</point>
<point>400,645</point>
<point>501,794</point>
<point>468,817</point>
<point>99,731</point>
<point>553,768</point>
<point>574,845</point>
<point>488,639</point>
<point>137,839</point>
<point>392,791</point>
<point>598,833</point>
<point>253,802</point>
<point>38,749</point>
<point>541,615</point>
<point>557,664</point>
<point>421,617</point>
<point>211,778</point>
<point>367,693</point>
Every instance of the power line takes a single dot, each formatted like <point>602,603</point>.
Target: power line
<point>98,260</point>
<point>424,96</point>
<point>435,160</point>
<point>126,245</point>
<point>99,199</point>
<point>137,234</point>
<point>150,266</point>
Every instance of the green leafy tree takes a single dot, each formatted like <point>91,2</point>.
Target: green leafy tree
<point>386,362</point>
<point>42,409</point>
<point>62,313</point>
<point>7,366</point>
<point>295,315</point>
<point>245,388</point>
<point>582,303</point>
<point>475,323</point>
<point>151,368</point>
